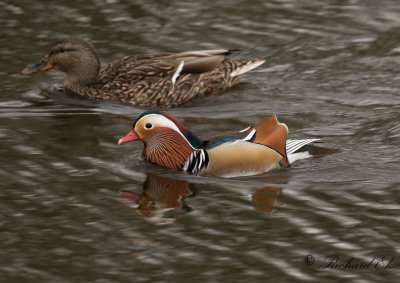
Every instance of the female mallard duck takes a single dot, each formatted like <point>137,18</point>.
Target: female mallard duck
<point>146,80</point>
<point>167,142</point>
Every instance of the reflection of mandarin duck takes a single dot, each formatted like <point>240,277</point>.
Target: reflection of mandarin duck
<point>266,199</point>
<point>160,194</point>
<point>167,142</point>
<point>146,80</point>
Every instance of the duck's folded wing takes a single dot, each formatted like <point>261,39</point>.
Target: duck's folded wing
<point>268,132</point>
<point>197,62</point>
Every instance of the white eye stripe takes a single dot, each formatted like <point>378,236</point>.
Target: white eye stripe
<point>162,121</point>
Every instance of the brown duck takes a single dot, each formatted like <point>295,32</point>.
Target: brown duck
<point>146,80</point>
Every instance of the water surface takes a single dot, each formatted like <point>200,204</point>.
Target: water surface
<point>76,207</point>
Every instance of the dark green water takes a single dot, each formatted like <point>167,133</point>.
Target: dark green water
<point>332,73</point>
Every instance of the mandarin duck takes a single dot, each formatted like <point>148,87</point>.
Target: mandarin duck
<point>259,149</point>
<point>145,80</point>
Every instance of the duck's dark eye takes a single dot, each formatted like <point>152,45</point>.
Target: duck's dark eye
<point>59,50</point>
<point>148,125</point>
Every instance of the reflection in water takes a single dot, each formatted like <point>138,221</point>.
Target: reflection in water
<point>332,72</point>
<point>160,194</point>
<point>265,198</point>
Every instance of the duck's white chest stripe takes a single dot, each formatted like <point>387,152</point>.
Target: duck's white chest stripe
<point>197,161</point>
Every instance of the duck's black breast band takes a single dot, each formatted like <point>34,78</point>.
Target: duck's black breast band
<point>198,160</point>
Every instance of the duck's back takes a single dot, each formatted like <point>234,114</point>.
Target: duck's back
<point>168,80</point>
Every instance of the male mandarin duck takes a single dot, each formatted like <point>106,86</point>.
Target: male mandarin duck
<point>145,80</point>
<point>167,142</point>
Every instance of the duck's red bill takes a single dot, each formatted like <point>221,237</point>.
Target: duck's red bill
<point>131,136</point>
<point>131,196</point>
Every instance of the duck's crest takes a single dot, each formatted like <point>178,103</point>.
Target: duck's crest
<point>144,114</point>
<point>192,139</point>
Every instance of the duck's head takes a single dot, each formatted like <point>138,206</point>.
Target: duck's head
<point>76,57</point>
<point>167,141</point>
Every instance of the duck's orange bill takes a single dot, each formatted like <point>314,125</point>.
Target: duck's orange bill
<point>42,66</point>
<point>131,136</point>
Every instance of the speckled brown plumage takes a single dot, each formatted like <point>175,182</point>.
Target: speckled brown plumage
<point>142,80</point>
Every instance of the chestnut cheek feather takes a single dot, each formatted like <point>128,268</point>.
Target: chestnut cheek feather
<point>167,149</point>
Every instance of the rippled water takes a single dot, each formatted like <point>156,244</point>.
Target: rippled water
<point>76,207</point>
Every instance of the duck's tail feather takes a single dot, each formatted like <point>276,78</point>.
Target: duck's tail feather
<point>246,67</point>
<point>293,145</point>
<point>302,149</point>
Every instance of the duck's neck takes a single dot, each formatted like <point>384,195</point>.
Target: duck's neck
<point>83,76</point>
<point>167,148</point>
<point>83,79</point>
<point>88,89</point>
